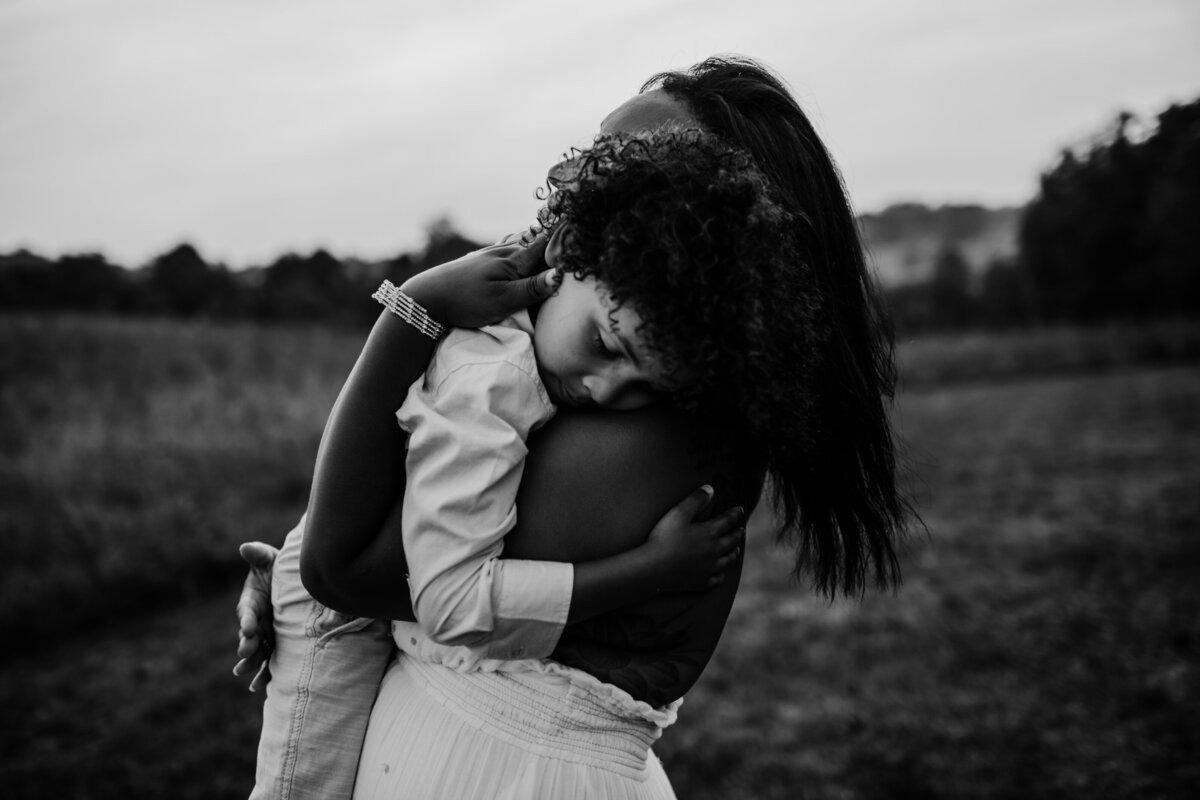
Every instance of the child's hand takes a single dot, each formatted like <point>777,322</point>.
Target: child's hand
<point>485,286</point>
<point>690,555</point>
<point>256,639</point>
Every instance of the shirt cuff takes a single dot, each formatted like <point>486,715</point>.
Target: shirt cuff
<point>532,601</point>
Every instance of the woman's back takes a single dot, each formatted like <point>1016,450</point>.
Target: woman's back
<point>595,483</point>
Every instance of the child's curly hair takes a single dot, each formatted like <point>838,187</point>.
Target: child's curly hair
<point>683,226</point>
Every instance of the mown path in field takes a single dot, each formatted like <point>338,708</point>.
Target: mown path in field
<point>147,707</point>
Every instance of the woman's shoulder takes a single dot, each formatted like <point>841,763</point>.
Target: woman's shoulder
<point>602,479</point>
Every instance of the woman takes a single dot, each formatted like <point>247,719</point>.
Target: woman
<point>843,522</point>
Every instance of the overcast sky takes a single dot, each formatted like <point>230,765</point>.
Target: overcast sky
<point>254,127</point>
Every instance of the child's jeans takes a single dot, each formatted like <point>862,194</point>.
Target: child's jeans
<point>325,672</point>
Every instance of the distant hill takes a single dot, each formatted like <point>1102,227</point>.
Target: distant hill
<point>903,240</point>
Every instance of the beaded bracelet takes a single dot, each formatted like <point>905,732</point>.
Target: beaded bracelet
<point>407,309</point>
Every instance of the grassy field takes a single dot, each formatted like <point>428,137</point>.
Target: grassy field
<point>136,455</point>
<point>1046,642</point>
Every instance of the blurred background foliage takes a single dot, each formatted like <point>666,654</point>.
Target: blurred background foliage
<point>318,287</point>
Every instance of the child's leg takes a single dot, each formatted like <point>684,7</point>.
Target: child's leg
<point>325,671</point>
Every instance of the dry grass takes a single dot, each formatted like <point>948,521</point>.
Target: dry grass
<point>135,455</point>
<point>954,358</point>
<point>1045,643</point>
<point>1046,640</point>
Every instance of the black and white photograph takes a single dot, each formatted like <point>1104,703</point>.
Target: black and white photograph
<point>651,399</point>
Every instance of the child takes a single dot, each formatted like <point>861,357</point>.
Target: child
<point>629,218</point>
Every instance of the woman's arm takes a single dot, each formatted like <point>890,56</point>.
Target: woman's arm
<point>359,474</point>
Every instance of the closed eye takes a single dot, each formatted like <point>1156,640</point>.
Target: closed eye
<point>601,347</point>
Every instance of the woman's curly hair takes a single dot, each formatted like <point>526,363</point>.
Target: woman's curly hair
<point>682,226</point>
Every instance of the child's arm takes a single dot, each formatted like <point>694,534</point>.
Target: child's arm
<point>682,554</point>
<point>468,422</point>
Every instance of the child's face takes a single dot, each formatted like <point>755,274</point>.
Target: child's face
<point>589,354</point>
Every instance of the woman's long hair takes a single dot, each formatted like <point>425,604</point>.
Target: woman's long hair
<point>839,503</point>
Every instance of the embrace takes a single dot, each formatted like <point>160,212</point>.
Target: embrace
<point>526,525</point>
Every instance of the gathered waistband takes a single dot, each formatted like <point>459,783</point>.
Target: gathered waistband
<point>549,714</point>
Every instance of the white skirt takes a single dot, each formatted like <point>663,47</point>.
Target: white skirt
<point>552,733</point>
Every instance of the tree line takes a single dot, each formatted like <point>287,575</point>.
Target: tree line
<point>1111,234</point>
<point>315,287</point>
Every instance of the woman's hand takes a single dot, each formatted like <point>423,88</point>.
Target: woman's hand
<point>256,619</point>
<point>485,286</point>
<point>693,554</point>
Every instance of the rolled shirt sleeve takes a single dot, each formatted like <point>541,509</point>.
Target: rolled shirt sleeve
<point>468,422</point>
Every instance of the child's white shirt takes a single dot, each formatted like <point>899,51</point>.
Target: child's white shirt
<point>468,420</point>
